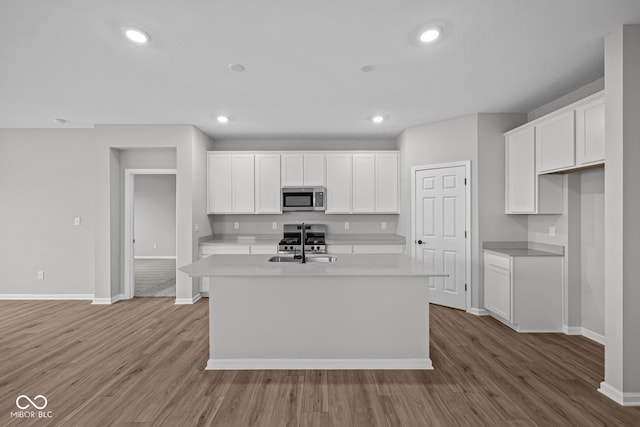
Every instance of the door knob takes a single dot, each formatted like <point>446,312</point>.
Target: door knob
<point>419,242</point>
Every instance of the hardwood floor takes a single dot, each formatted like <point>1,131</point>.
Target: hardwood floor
<point>141,362</point>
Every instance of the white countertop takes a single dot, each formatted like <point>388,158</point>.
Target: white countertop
<point>521,249</point>
<point>346,265</point>
<point>331,239</point>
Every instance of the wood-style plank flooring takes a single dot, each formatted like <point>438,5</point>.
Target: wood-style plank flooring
<point>141,362</point>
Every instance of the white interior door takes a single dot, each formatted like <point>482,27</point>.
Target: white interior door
<point>440,231</point>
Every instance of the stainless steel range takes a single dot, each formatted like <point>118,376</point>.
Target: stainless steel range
<point>314,239</point>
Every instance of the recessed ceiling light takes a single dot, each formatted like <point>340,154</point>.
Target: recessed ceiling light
<point>222,119</point>
<point>367,68</point>
<point>430,35</point>
<point>238,68</point>
<point>377,119</point>
<point>60,122</point>
<point>136,35</point>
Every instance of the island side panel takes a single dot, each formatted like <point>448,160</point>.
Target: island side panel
<point>319,322</point>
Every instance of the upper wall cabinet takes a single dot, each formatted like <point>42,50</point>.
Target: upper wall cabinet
<point>525,191</point>
<point>267,183</point>
<point>373,184</point>
<point>555,142</point>
<point>230,183</point>
<point>303,169</point>
<point>590,131</point>
<point>339,166</point>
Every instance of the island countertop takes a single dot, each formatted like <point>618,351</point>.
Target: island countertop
<point>346,265</point>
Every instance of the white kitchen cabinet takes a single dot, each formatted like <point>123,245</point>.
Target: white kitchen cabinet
<point>555,142</point>
<point>303,170</point>
<point>242,183</point>
<point>230,183</point>
<point>375,183</point>
<point>292,170</point>
<point>267,184</point>
<point>525,191</point>
<point>524,292</point>
<point>590,134</point>
<point>313,169</point>
<point>219,183</point>
<point>339,166</point>
<point>364,183</point>
<point>387,183</point>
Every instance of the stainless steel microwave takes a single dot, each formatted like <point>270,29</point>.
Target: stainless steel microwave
<point>296,199</point>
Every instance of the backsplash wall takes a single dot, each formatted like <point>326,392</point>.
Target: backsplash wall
<point>262,224</point>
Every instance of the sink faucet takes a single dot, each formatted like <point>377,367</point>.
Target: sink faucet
<point>303,238</point>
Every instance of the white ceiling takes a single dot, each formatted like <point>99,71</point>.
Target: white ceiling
<point>67,59</point>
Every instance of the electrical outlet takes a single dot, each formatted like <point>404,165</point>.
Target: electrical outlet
<point>346,225</point>
<point>236,225</point>
<point>76,220</point>
<point>552,231</point>
<point>196,227</point>
<point>40,275</point>
<point>383,225</point>
<point>274,225</point>
<point>155,246</point>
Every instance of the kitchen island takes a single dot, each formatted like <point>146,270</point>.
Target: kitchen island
<point>359,312</point>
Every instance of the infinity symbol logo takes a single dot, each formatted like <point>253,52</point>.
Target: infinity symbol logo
<point>23,397</point>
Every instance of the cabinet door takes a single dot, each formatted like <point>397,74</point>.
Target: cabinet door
<point>387,183</point>
<point>267,183</point>
<point>292,170</point>
<point>590,132</point>
<point>314,169</point>
<point>497,288</point>
<point>219,183</point>
<point>242,183</point>
<point>520,177</point>
<point>555,142</point>
<point>364,189</point>
<point>339,183</point>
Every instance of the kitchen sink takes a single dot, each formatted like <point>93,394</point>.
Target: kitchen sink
<point>326,258</point>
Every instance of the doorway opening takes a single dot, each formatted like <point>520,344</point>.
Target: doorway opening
<point>441,229</point>
<point>150,233</point>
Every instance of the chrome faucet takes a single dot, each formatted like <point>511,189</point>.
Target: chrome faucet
<point>303,238</point>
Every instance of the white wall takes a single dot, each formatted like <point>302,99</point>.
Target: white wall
<point>47,179</point>
<point>478,138</point>
<point>155,215</point>
<point>112,143</point>
<point>592,250</point>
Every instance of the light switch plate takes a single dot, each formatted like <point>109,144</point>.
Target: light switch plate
<point>383,225</point>
<point>236,225</point>
<point>274,225</point>
<point>346,225</point>
<point>76,220</point>
<point>196,227</point>
<point>40,275</point>
<point>552,231</point>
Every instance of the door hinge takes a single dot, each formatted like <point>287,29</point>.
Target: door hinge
<point>465,287</point>
<point>465,234</point>
<point>465,181</point>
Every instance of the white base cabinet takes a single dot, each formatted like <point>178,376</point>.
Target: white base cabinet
<point>524,292</point>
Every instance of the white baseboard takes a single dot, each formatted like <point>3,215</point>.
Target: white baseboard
<point>587,333</point>
<point>111,300</point>
<point>154,257</point>
<point>46,296</point>
<point>183,301</point>
<point>204,294</point>
<point>478,311</point>
<point>624,399</point>
<point>315,364</point>
<point>594,336</point>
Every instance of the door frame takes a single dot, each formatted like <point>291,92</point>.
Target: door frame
<point>129,217</point>
<point>467,176</point>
